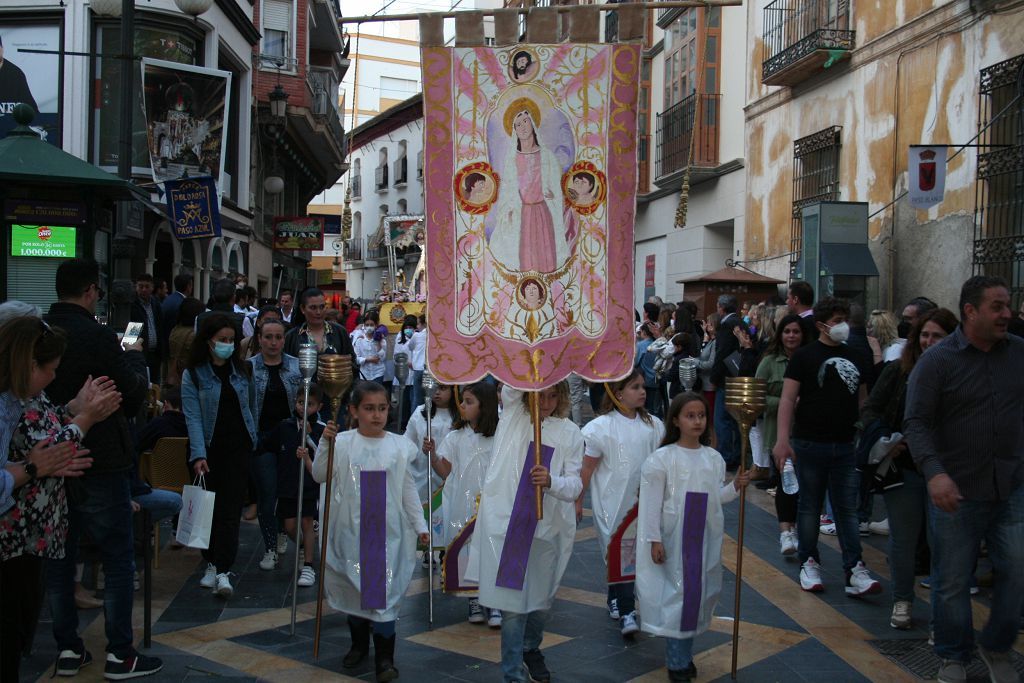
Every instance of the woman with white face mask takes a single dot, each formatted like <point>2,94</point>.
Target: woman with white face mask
<point>218,399</point>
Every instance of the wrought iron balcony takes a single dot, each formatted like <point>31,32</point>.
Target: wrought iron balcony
<point>803,38</point>
<point>694,118</point>
<point>356,185</point>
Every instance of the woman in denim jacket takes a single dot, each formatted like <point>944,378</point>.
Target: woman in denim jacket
<point>278,381</point>
<point>218,399</point>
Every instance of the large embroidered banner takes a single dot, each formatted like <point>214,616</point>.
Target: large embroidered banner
<point>531,174</point>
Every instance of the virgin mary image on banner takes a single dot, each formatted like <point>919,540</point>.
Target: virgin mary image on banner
<point>531,174</point>
<point>529,232</point>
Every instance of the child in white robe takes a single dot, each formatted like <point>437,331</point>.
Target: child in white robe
<point>372,532</point>
<point>441,412</point>
<point>679,561</point>
<point>462,460</point>
<point>517,559</point>
<point>618,443</point>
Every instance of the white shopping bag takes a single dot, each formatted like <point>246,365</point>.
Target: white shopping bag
<point>195,521</point>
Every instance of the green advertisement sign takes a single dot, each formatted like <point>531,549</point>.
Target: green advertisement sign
<point>50,241</point>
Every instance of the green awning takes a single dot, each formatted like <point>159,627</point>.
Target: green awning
<point>27,160</point>
<point>848,259</point>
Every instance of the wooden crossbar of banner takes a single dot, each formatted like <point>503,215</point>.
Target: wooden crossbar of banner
<point>561,9</point>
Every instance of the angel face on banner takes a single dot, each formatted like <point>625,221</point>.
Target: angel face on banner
<point>527,223</point>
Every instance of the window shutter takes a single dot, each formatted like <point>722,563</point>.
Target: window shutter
<point>277,15</point>
<point>32,280</point>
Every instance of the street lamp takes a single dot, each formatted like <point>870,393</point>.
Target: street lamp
<point>278,102</point>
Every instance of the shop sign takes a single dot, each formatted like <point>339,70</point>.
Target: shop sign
<point>38,212</point>
<point>299,233</point>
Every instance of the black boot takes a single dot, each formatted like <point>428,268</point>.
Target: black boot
<point>384,658</point>
<point>360,632</point>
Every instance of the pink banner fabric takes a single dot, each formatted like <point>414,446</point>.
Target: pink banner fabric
<point>531,175</point>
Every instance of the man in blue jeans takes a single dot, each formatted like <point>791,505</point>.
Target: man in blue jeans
<point>964,423</point>
<point>100,504</point>
<point>727,432</point>
<point>824,376</point>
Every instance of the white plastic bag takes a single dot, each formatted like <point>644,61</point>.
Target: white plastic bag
<point>195,521</point>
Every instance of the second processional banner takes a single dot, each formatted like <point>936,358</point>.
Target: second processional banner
<point>531,176</point>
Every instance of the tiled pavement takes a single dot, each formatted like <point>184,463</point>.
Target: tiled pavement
<point>786,635</point>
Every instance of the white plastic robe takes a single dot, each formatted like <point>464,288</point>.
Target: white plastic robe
<point>354,453</point>
<point>469,454</point>
<point>416,431</point>
<point>666,477</point>
<point>622,444</point>
<point>553,538</point>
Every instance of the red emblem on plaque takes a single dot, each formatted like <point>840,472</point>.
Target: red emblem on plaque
<point>44,232</point>
<point>926,171</point>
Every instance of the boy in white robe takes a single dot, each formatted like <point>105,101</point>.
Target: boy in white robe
<point>518,560</point>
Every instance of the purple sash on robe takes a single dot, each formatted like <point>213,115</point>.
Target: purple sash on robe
<point>695,515</point>
<point>373,535</point>
<point>521,525</point>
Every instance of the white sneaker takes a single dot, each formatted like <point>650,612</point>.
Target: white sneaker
<point>860,582</point>
<point>209,579</point>
<point>282,544</point>
<point>223,589</point>
<point>951,672</point>
<point>879,528</point>
<point>829,528</point>
<point>810,576</point>
<point>629,625</point>
<point>900,618</point>
<point>864,528</point>
<point>307,577</point>
<point>269,561</point>
<point>787,542</point>
<point>494,621</point>
<point>613,609</point>
<point>476,615</point>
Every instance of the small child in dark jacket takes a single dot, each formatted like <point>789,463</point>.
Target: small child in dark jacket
<point>285,440</point>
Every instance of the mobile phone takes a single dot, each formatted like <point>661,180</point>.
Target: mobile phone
<point>132,334</point>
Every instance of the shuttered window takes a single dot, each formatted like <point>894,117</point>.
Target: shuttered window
<point>32,280</point>
<point>277,28</point>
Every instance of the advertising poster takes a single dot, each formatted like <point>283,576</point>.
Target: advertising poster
<point>49,241</point>
<point>300,233</point>
<point>530,200</point>
<point>30,77</point>
<point>186,115</point>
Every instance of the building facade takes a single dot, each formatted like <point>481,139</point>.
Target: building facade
<point>299,139</point>
<point>838,91</point>
<point>79,103</point>
<point>690,133</point>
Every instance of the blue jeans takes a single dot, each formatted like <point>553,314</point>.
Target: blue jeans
<point>105,514</point>
<point>955,537</point>
<point>160,504</point>
<point>906,506</point>
<point>678,653</point>
<point>519,633</point>
<point>726,430</point>
<point>264,472</point>
<point>831,467</point>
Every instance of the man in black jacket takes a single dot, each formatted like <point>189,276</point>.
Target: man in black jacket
<point>172,304</point>
<point>146,310</point>
<point>726,431</point>
<point>100,502</point>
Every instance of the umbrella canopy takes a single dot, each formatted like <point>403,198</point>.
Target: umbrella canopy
<point>27,160</point>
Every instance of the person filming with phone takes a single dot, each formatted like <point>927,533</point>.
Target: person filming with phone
<point>100,501</point>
